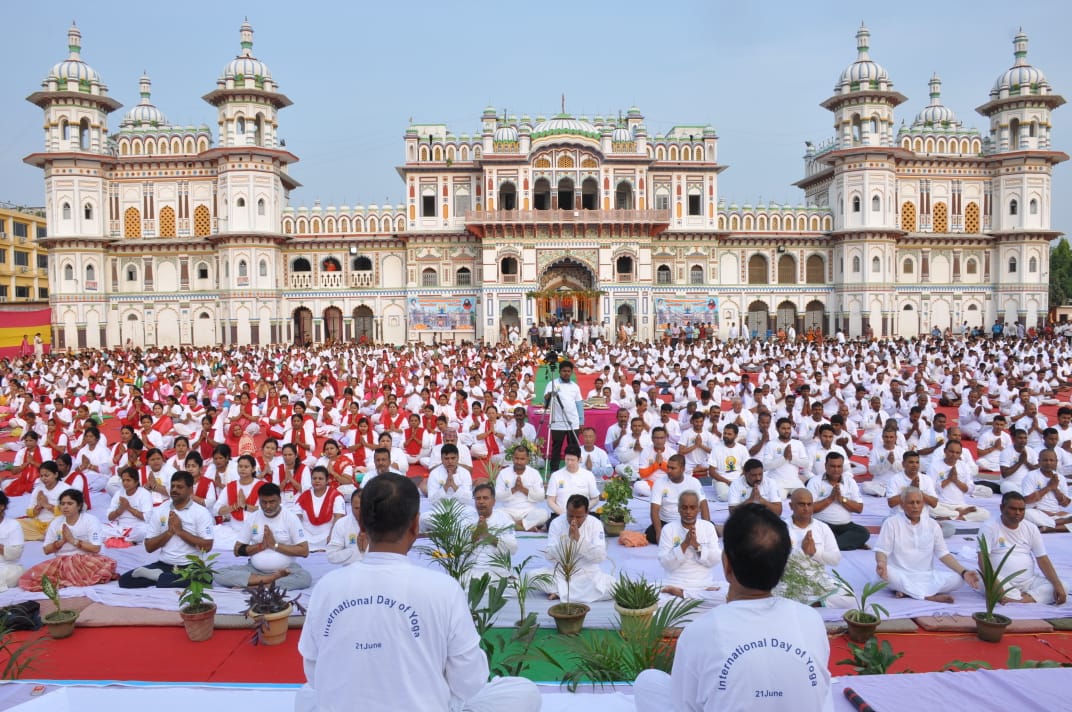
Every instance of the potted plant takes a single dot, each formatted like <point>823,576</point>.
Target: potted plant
<point>569,616</point>
<point>635,600</point>
<point>450,531</point>
<point>196,607</point>
<point>519,581</point>
<point>60,622</point>
<point>990,626</point>
<point>862,620</point>
<point>615,511</point>
<point>269,608</point>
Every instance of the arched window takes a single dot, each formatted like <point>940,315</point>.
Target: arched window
<point>260,206</point>
<point>132,274</point>
<point>1032,265</point>
<point>240,126</point>
<point>87,211</point>
<point>855,203</point>
<point>91,273</point>
<point>696,275</point>
<point>814,270</point>
<point>429,277</point>
<point>663,275</point>
<point>202,270</point>
<point>362,264</point>
<point>787,270</point>
<point>1032,207</point>
<point>757,270</point>
<point>1012,265</point>
<point>1013,206</point>
<point>623,266</point>
<point>68,272</point>
<point>876,265</point>
<point>508,269</point>
<point>240,203</point>
<point>301,265</point>
<point>876,204</point>
<point>83,134</point>
<point>463,277</point>
<point>262,268</point>
<point>856,267</point>
<point>243,269</point>
<point>66,211</point>
<point>971,266</point>
<point>908,267</point>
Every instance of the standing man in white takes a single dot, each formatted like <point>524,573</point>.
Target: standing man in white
<point>562,397</point>
<point>757,651</point>
<point>376,617</point>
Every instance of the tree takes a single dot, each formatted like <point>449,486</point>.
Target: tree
<point>1060,273</point>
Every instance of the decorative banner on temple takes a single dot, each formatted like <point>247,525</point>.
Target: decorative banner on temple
<point>456,312</point>
<point>19,327</point>
<point>671,311</point>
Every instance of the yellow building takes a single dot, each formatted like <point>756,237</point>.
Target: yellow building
<point>23,263</point>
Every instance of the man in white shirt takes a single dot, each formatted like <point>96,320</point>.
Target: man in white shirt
<point>273,538</point>
<point>575,529</point>
<point>494,528</point>
<point>348,543</point>
<point>754,487</point>
<point>719,663</point>
<point>1010,531</point>
<point>383,614</point>
<point>664,495</point>
<point>814,549</point>
<point>725,461</point>
<point>696,444</point>
<point>836,499</point>
<point>594,459</point>
<point>885,461</point>
<point>992,444</point>
<point>783,458</point>
<point>1017,461</point>
<point>520,494</point>
<point>562,397</point>
<point>688,548</point>
<point>907,545</point>
<point>1045,492</point>
<point>176,529</point>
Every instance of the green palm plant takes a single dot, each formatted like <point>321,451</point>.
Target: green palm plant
<point>862,614</point>
<point>994,587</point>
<point>606,657</point>
<point>521,582</point>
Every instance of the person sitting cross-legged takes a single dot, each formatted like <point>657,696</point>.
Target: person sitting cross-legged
<point>905,551</point>
<point>576,529</point>
<point>175,529</point>
<point>1013,531</point>
<point>837,498</point>
<point>273,539</point>
<point>688,549</point>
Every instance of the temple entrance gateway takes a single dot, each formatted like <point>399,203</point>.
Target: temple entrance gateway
<point>567,291</point>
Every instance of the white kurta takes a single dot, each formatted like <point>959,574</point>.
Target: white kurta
<point>689,570</point>
<point>526,508</point>
<point>590,583</point>
<point>911,550</point>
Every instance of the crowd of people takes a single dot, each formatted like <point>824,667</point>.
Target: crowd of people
<point>266,451</point>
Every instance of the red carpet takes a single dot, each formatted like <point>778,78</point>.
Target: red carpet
<point>165,654</point>
<point>128,654</point>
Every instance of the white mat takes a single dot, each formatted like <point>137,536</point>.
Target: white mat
<point>857,566</point>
